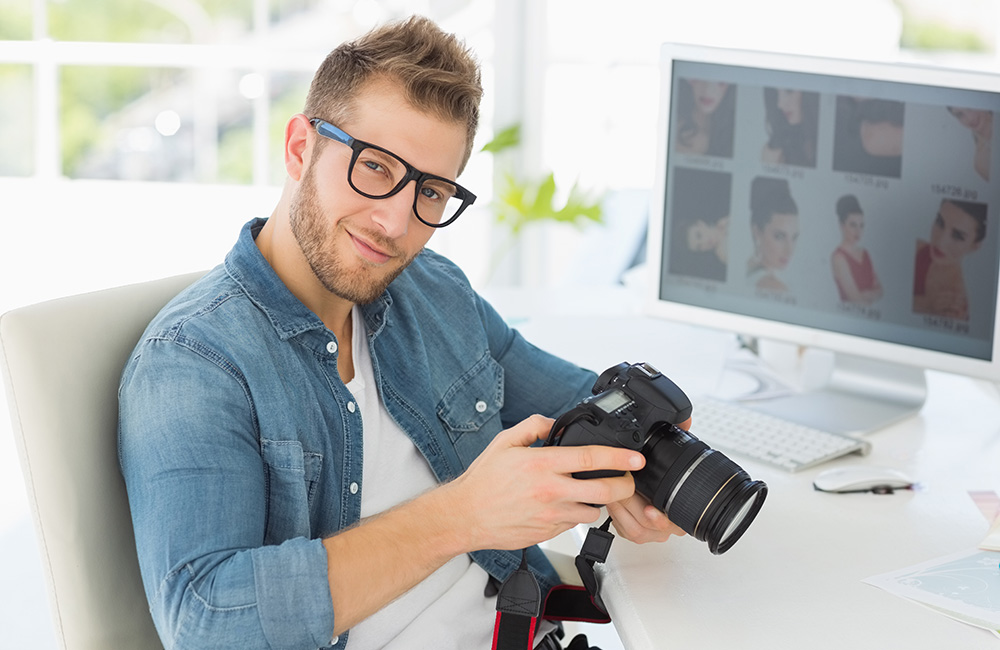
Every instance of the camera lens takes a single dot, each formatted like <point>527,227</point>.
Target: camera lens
<point>700,489</point>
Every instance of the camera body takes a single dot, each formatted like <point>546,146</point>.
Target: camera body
<point>637,407</point>
<point>628,403</point>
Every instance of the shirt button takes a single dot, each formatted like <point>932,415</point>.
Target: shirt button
<point>334,640</point>
<point>354,488</point>
<point>331,347</point>
<point>351,407</point>
<point>481,406</point>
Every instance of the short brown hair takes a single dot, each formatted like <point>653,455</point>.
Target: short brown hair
<point>439,74</point>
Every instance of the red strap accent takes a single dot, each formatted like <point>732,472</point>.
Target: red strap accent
<point>496,630</point>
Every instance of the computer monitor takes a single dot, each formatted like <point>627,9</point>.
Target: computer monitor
<point>840,204</point>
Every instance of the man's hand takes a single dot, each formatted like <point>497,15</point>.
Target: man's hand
<point>637,520</point>
<point>515,495</point>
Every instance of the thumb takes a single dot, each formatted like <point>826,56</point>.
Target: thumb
<point>527,432</point>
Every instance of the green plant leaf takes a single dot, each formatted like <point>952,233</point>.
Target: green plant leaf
<point>505,139</point>
<point>542,206</point>
<point>520,202</point>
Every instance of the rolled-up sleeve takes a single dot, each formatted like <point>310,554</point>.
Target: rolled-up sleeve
<point>190,454</point>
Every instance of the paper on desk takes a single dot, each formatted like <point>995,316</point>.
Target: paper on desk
<point>964,586</point>
<point>988,503</point>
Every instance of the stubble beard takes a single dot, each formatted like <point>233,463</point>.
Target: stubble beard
<point>317,241</point>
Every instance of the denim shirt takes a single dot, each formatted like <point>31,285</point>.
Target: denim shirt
<point>241,448</point>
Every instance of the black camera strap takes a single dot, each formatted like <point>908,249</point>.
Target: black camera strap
<point>519,602</point>
<point>595,550</point>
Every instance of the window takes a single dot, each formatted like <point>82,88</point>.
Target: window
<point>132,114</point>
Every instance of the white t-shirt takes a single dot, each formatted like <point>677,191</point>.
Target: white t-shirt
<point>427,616</point>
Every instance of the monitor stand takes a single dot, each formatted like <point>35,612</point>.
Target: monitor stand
<point>860,395</point>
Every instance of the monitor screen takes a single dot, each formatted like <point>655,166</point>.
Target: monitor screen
<point>844,204</point>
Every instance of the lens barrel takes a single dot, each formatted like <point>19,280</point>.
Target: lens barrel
<point>700,489</point>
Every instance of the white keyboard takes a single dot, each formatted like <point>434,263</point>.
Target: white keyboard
<point>741,431</point>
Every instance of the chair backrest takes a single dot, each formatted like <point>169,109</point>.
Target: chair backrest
<point>62,361</point>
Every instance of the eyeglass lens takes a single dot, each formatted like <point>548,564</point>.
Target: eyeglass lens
<point>377,173</point>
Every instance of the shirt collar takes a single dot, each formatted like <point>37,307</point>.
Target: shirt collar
<point>249,269</point>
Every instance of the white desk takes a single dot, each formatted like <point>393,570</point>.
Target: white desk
<point>794,579</point>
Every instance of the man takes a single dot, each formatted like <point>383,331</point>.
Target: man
<point>324,438</point>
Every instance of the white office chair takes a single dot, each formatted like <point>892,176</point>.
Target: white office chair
<point>62,360</point>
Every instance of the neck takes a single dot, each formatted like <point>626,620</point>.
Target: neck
<point>278,247</point>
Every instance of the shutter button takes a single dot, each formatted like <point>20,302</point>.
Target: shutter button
<point>481,406</point>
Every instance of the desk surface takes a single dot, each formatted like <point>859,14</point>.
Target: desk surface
<point>795,579</point>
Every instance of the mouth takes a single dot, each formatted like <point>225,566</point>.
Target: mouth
<point>370,251</point>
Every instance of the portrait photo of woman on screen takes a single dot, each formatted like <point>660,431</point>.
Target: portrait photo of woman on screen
<point>939,288</point>
<point>792,118</point>
<point>706,113</point>
<point>852,266</point>
<point>774,225</point>
<point>868,136</point>
<point>700,223</point>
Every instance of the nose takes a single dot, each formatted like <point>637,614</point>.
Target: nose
<point>395,213</point>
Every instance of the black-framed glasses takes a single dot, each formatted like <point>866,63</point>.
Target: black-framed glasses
<point>437,201</point>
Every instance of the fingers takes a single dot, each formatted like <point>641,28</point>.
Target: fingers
<point>588,458</point>
<point>571,459</point>
<point>636,520</point>
<point>600,491</point>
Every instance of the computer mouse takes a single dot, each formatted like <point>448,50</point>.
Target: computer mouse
<point>862,478</point>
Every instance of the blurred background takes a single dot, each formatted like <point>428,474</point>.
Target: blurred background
<point>136,136</point>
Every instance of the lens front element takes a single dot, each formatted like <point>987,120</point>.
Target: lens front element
<point>700,489</point>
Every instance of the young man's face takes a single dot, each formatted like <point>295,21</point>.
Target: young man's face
<point>355,245</point>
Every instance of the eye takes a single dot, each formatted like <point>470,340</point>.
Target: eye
<point>437,191</point>
<point>373,165</point>
<point>373,161</point>
<point>428,192</point>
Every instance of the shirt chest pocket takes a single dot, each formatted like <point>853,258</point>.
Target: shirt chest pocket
<point>292,475</point>
<point>473,404</point>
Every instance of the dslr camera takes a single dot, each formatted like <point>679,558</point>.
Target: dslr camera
<point>700,489</point>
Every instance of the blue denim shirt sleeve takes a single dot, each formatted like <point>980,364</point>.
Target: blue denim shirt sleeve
<point>197,492</point>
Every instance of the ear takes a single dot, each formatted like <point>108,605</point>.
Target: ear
<point>298,145</point>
